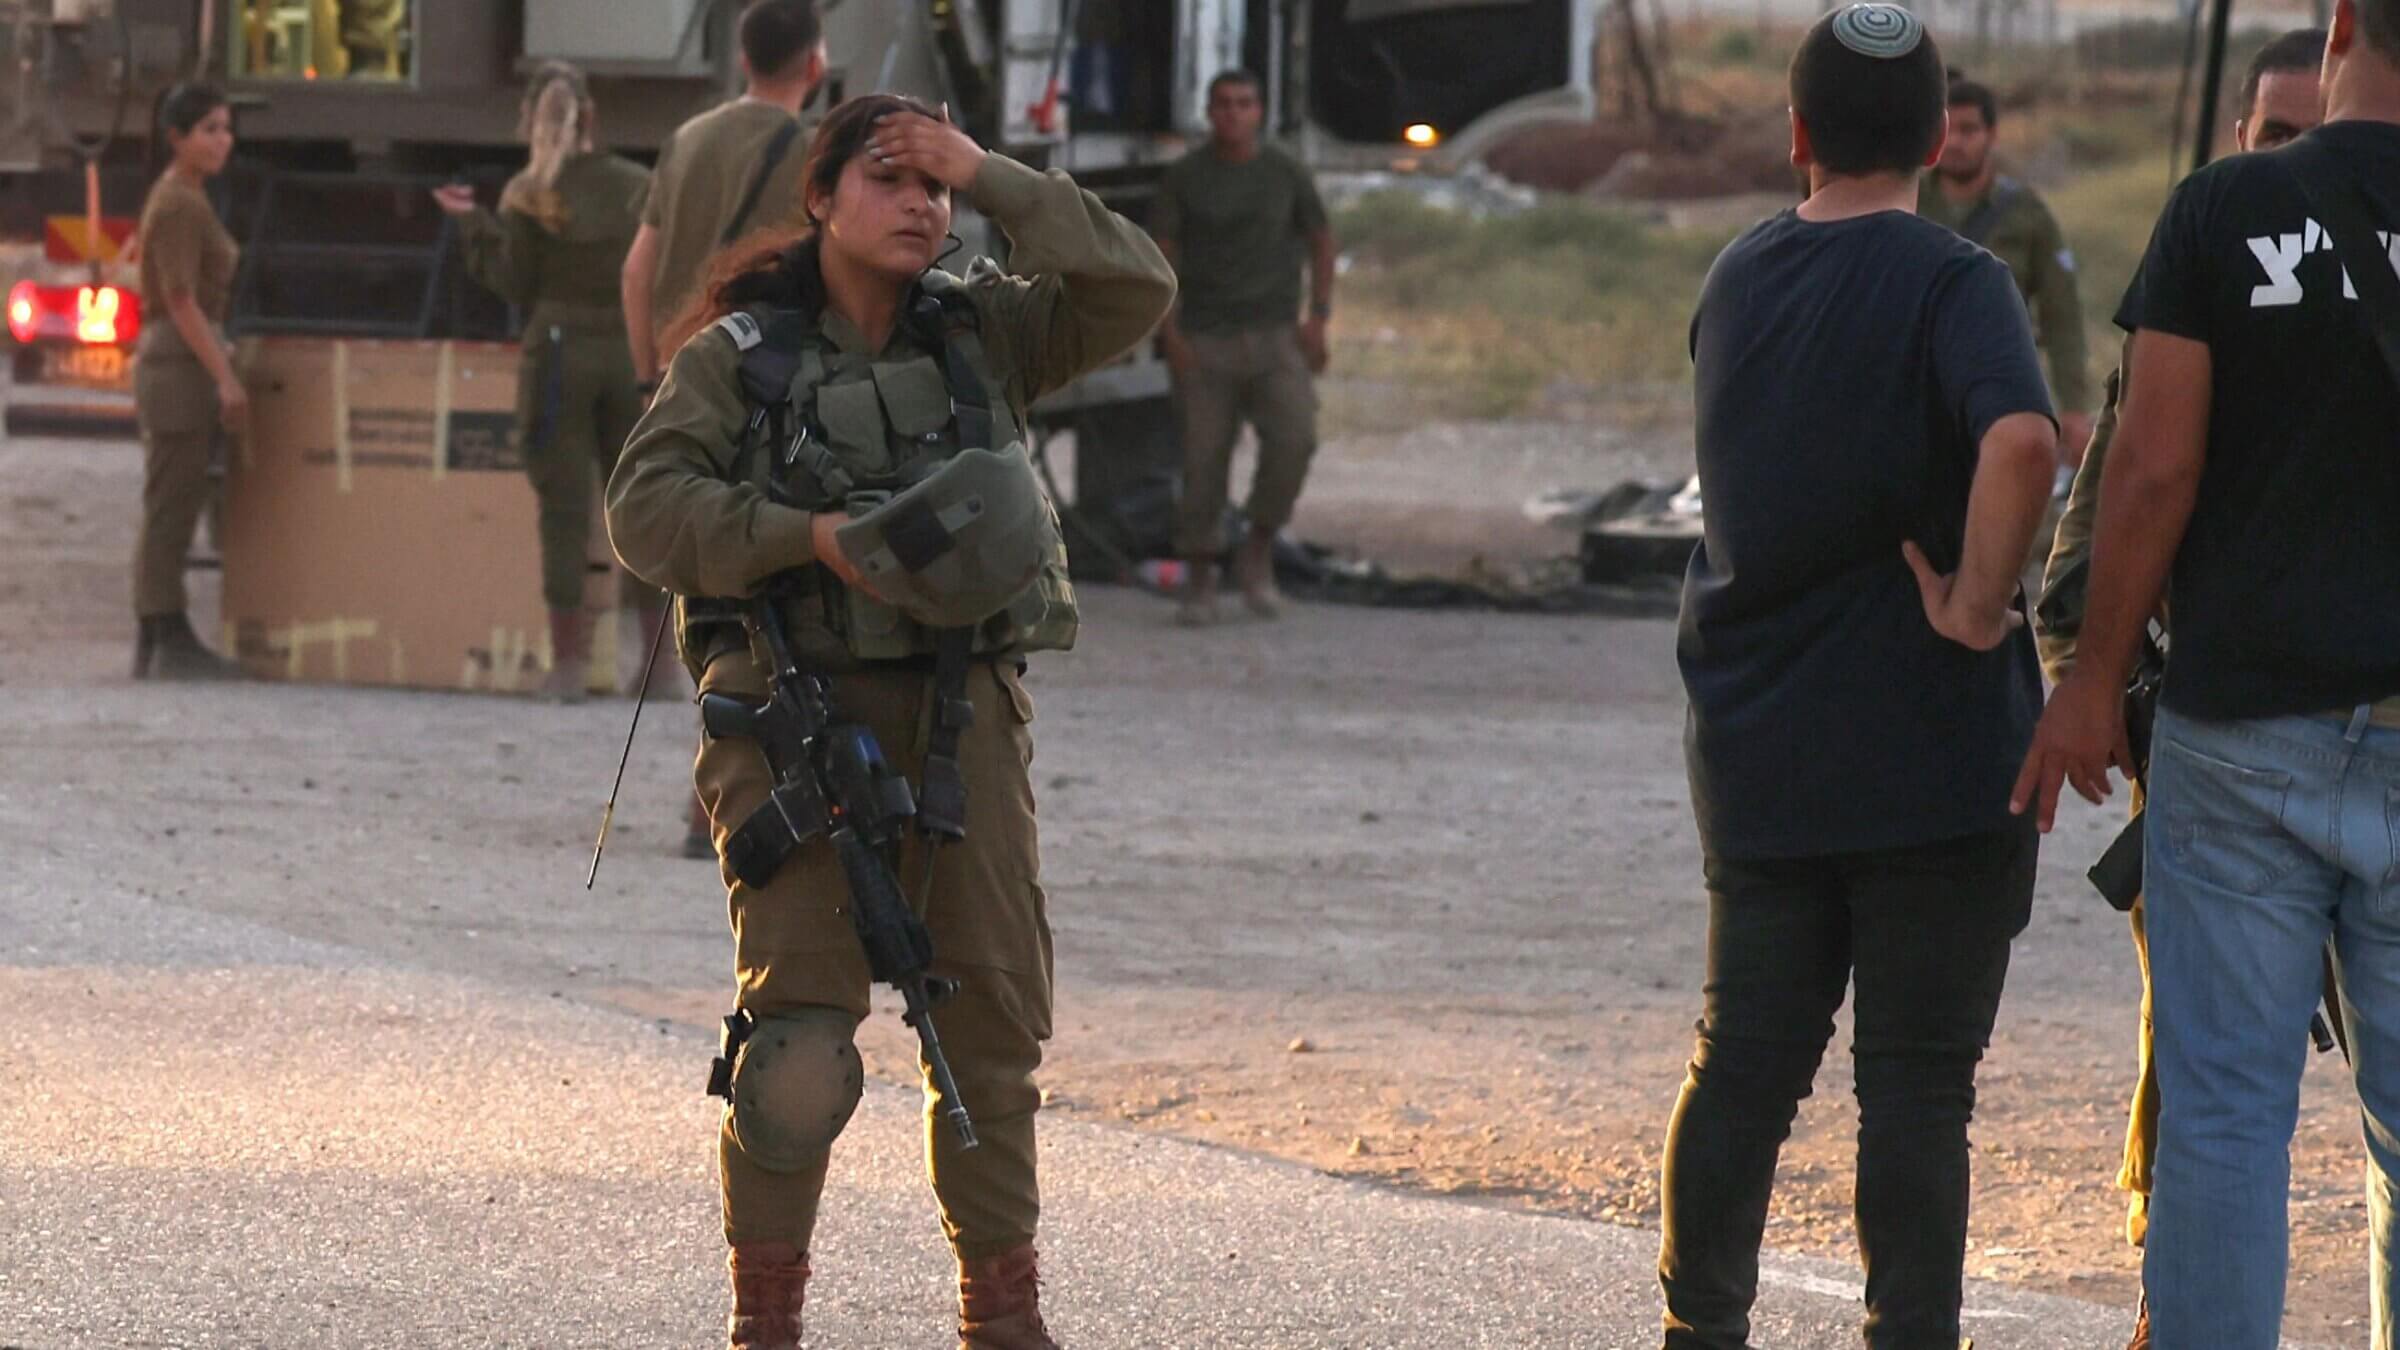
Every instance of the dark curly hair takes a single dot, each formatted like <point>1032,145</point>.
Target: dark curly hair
<point>777,265</point>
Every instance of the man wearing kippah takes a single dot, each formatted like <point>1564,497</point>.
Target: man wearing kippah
<point>1861,690</point>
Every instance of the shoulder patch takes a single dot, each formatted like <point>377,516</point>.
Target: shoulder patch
<point>742,329</point>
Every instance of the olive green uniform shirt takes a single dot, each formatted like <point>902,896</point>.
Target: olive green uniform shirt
<point>185,251</point>
<point>703,172</point>
<point>1241,235</point>
<point>2026,237</point>
<point>564,269</point>
<point>1087,285</point>
<point>2058,621</point>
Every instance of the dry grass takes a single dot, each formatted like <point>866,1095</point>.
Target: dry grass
<point>1575,305</point>
<point>2107,216</point>
<point>1450,316</point>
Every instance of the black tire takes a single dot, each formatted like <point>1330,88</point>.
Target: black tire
<point>1640,546</point>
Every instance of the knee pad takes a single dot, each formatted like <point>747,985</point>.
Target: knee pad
<point>795,1085</point>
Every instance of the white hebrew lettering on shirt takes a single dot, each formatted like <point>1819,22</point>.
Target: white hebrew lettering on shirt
<point>2279,257</point>
<point>2391,251</point>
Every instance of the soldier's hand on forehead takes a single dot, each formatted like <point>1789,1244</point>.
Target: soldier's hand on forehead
<point>926,145</point>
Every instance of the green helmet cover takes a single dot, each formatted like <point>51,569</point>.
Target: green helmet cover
<point>957,547</point>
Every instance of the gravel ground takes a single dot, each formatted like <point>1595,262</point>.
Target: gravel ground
<point>1446,856</point>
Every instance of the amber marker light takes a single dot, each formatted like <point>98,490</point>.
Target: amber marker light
<point>1421,135</point>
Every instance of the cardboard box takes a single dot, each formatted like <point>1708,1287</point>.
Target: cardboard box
<point>378,525</point>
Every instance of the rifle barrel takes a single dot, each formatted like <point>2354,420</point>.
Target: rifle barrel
<point>938,1064</point>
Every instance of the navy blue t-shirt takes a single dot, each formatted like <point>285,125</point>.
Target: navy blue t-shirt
<point>1845,374</point>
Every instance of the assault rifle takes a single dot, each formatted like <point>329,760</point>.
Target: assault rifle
<point>831,779</point>
<point>2118,874</point>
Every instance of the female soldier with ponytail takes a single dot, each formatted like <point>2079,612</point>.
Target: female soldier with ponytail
<point>830,370</point>
<point>563,227</point>
<point>185,390</point>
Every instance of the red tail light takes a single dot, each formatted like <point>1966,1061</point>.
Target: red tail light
<point>24,311</point>
<point>92,316</point>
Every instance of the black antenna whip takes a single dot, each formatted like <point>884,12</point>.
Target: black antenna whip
<point>658,637</point>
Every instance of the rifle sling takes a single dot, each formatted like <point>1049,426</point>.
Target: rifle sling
<point>2334,198</point>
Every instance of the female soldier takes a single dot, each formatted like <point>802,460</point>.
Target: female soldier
<point>886,360</point>
<point>184,386</point>
<point>564,225</point>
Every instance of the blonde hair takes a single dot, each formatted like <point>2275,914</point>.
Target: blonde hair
<point>556,122</point>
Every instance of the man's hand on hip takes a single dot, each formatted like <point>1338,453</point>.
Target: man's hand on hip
<point>1980,628</point>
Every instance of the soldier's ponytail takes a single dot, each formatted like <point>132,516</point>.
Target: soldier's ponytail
<point>555,124</point>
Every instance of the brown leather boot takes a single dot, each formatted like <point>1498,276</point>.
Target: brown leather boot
<point>1000,1304</point>
<point>2141,1327</point>
<point>570,656</point>
<point>770,1283</point>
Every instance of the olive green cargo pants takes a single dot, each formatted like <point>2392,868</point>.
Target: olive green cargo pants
<point>794,947</point>
<point>1258,375</point>
<point>175,406</point>
<point>576,404</point>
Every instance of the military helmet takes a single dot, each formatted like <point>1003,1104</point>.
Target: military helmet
<point>955,548</point>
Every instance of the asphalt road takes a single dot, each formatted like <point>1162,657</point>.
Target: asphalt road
<point>309,1036</point>
<point>217,1134</point>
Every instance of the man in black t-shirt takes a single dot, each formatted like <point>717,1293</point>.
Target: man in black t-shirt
<point>2257,463</point>
<point>1875,447</point>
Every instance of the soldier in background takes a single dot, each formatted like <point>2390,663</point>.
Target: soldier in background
<point>185,389</point>
<point>732,169</point>
<point>1967,192</point>
<point>2280,100</point>
<point>563,227</point>
<point>1236,217</point>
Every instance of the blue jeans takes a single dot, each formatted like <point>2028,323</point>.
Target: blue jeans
<point>2266,838</point>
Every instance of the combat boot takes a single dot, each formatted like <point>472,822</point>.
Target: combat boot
<point>1000,1304</point>
<point>176,653</point>
<point>770,1283</point>
<point>570,656</point>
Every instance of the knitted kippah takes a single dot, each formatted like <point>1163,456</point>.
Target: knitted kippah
<point>1882,32</point>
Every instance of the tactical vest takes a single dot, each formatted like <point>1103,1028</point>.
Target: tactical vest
<point>842,431</point>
